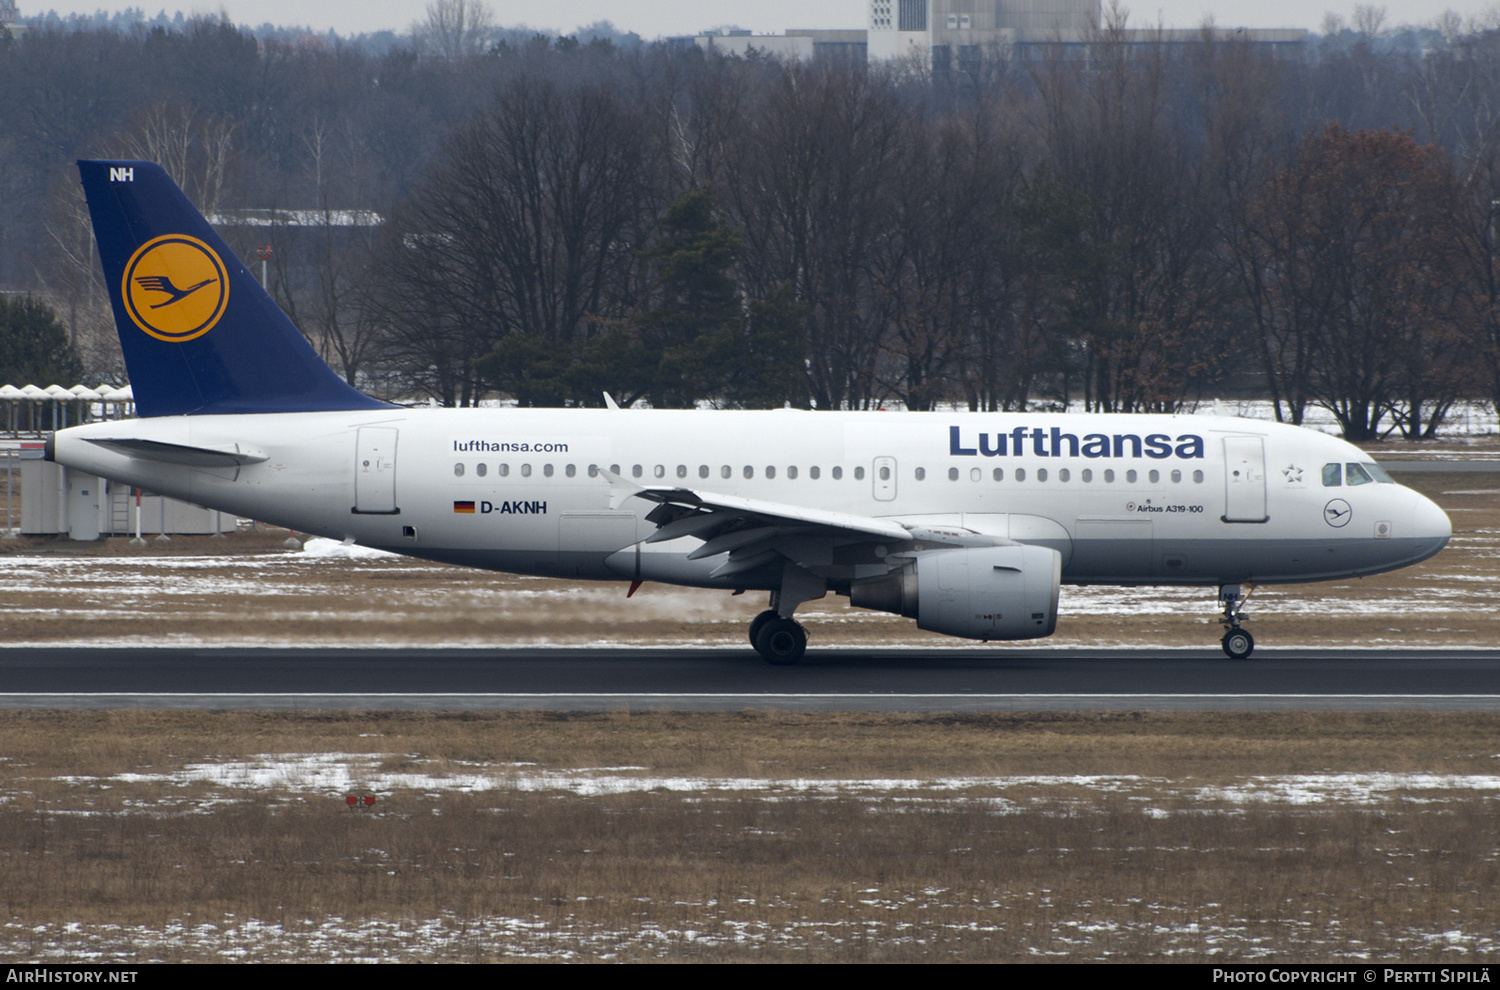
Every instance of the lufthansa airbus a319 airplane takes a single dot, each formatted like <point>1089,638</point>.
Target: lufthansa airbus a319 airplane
<point>968,523</point>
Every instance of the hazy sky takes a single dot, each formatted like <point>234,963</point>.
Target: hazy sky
<point>652,18</point>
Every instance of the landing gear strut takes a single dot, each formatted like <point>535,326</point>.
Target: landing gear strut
<point>1238,644</point>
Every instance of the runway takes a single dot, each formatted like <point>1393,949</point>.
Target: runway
<point>608,679</point>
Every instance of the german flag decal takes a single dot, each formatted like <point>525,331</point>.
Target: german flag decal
<point>464,507</point>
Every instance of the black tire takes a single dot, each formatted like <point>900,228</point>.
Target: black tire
<point>781,642</point>
<point>759,622</point>
<point>1238,644</point>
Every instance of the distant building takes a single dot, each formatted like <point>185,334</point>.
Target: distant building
<point>801,44</point>
<point>944,34</point>
<point>953,34</point>
<point>10,18</point>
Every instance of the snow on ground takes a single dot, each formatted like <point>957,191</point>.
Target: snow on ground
<point>321,547</point>
<point>335,774</point>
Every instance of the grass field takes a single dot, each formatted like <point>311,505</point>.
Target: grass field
<point>137,836</point>
<point>199,836</point>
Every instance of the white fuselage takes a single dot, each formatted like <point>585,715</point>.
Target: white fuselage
<point>1124,499</point>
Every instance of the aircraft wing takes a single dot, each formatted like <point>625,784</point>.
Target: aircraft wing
<point>754,533</point>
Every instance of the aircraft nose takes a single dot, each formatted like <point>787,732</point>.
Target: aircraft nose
<point>1430,525</point>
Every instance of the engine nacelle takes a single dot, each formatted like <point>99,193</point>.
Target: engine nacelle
<point>975,592</point>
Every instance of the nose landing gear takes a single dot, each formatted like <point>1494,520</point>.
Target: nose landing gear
<point>1238,644</point>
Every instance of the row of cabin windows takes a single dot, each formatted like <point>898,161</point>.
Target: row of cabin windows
<point>1086,475</point>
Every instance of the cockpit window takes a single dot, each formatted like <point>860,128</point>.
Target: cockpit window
<point>1333,475</point>
<point>1358,475</point>
<point>1378,473</point>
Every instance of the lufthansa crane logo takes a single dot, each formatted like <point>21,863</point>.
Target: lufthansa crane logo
<point>1337,513</point>
<point>175,288</point>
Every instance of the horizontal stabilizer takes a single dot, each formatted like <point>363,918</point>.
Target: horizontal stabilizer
<point>176,453</point>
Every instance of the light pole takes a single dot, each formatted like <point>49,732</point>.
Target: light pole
<point>265,255</point>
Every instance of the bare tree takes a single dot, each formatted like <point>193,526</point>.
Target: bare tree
<point>531,224</point>
<point>456,30</point>
<point>1360,255</point>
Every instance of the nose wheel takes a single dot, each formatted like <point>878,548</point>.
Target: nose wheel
<point>1238,644</point>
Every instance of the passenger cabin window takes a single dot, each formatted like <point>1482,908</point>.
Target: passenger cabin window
<point>637,470</point>
<point>458,470</point>
<point>703,470</point>
<point>571,470</point>
<point>999,474</point>
<point>812,473</point>
<point>749,471</point>
<point>1041,474</point>
<point>921,474</point>
<point>859,474</point>
<point>503,470</point>
<point>1086,475</point>
<point>481,468</point>
<point>791,473</point>
<point>525,470</point>
<point>975,474</point>
<point>682,470</point>
<point>726,471</point>
<point>1333,475</point>
<point>1063,475</point>
<point>1357,475</point>
<point>1020,474</point>
<point>593,470</point>
<point>838,474</point>
<point>953,474</point>
<point>770,471</point>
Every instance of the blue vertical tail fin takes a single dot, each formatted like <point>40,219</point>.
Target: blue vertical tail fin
<point>199,333</point>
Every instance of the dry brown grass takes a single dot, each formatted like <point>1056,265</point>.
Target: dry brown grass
<point>1160,870</point>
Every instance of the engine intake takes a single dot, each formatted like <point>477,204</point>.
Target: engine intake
<point>987,593</point>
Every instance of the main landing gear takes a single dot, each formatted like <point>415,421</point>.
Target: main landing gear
<point>1238,644</point>
<point>776,636</point>
<point>780,641</point>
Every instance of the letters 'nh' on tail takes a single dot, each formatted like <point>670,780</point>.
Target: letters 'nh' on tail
<point>199,334</point>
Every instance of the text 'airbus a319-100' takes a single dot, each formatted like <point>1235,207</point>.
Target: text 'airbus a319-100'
<point>967,523</point>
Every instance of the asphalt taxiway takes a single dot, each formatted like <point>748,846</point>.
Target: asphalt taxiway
<point>731,679</point>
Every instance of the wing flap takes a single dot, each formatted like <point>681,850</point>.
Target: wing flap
<point>777,514</point>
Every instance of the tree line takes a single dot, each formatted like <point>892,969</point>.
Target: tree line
<point>1132,226</point>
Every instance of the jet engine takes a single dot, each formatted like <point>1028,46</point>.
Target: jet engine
<point>1007,592</point>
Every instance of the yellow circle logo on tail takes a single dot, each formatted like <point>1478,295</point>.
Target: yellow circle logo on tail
<point>175,287</point>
